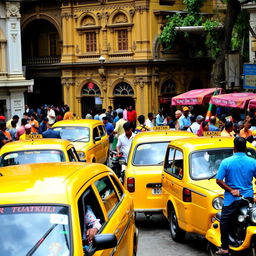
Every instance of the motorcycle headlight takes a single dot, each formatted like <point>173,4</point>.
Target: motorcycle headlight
<point>253,215</point>
<point>217,203</point>
<point>81,155</point>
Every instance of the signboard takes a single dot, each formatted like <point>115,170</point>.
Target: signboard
<point>161,128</point>
<point>211,133</point>
<point>249,76</point>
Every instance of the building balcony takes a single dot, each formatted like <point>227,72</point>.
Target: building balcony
<point>48,60</point>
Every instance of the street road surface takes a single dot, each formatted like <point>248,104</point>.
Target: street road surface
<point>155,239</point>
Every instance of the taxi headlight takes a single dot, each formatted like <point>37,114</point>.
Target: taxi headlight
<point>253,215</point>
<point>217,203</point>
<point>81,154</point>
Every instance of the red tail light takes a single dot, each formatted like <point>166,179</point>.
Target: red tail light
<point>187,195</point>
<point>131,184</point>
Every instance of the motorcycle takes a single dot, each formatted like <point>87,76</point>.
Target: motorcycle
<point>118,164</point>
<point>243,234</point>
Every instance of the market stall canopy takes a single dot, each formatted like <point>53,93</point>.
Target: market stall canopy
<point>195,97</point>
<point>233,100</point>
<point>252,103</point>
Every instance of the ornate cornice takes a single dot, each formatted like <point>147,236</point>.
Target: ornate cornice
<point>13,9</point>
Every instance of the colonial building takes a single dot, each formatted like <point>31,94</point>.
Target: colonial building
<point>12,81</point>
<point>109,53</point>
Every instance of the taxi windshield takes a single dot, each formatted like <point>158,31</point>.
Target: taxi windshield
<point>74,133</point>
<point>34,230</point>
<point>150,153</point>
<point>205,164</point>
<point>32,156</point>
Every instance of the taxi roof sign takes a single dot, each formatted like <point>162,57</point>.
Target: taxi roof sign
<point>33,136</point>
<point>212,133</point>
<point>161,128</point>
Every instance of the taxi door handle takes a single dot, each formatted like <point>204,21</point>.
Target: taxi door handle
<point>117,231</point>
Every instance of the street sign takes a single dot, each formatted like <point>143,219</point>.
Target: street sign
<point>249,76</point>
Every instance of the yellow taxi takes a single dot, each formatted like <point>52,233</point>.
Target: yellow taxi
<point>88,136</point>
<point>190,193</point>
<point>144,168</point>
<point>37,151</point>
<point>47,209</point>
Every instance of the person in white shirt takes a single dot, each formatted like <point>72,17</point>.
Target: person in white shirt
<point>103,114</point>
<point>150,121</point>
<point>125,140</point>
<point>194,127</point>
<point>51,115</point>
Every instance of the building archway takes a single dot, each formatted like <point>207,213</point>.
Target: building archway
<point>90,98</point>
<point>168,90</point>
<point>123,95</point>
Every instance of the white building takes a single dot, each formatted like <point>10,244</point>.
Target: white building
<point>12,81</point>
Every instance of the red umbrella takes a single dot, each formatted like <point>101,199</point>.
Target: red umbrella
<point>233,100</point>
<point>195,97</point>
<point>252,104</point>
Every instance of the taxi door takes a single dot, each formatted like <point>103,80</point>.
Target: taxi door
<point>172,181</point>
<point>97,149</point>
<point>105,142</point>
<point>118,209</point>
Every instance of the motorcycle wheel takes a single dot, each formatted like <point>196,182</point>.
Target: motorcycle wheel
<point>177,234</point>
<point>211,249</point>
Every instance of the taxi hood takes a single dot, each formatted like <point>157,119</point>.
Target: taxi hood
<point>81,146</point>
<point>209,185</point>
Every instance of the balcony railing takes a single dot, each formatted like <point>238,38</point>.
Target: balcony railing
<point>41,61</point>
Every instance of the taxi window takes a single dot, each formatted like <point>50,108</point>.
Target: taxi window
<point>74,133</point>
<point>95,132</point>
<point>32,156</point>
<point>88,203</point>
<point>72,155</point>
<point>119,189</point>
<point>169,159</point>
<point>102,130</point>
<point>23,226</point>
<point>107,194</point>
<point>150,153</point>
<point>177,166</point>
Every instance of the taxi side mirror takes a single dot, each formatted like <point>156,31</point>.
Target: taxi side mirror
<point>96,139</point>
<point>101,242</point>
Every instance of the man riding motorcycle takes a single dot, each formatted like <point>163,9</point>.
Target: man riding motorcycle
<point>235,176</point>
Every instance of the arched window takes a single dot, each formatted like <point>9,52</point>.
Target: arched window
<point>168,87</point>
<point>123,89</point>
<point>91,89</point>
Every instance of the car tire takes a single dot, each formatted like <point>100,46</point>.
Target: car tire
<point>252,250</point>
<point>177,234</point>
<point>211,249</point>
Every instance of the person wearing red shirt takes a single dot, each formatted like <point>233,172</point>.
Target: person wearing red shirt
<point>131,116</point>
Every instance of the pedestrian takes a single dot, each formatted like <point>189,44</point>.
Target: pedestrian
<point>68,114</point>
<point>50,133</point>
<point>3,138</point>
<point>124,141</point>
<point>212,125</point>
<point>184,120</point>
<point>115,118</point>
<point>28,131</point>
<point>178,114</point>
<point>13,130</point>
<point>235,176</point>
<point>8,123</point>
<point>119,109</point>
<point>246,132</point>
<point>89,115</point>
<point>125,114</point>
<point>160,118</point>
<point>204,127</point>
<point>43,125</point>
<point>21,129</point>
<point>169,121</point>
<point>34,123</point>
<point>109,114</point>
<point>131,116</point>
<point>141,127</point>
<point>51,114</point>
<point>150,121</point>
<point>228,130</point>
<point>196,122</point>
<point>109,128</point>
<point>97,116</point>
<point>103,113</point>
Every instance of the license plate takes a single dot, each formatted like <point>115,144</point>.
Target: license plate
<point>156,191</point>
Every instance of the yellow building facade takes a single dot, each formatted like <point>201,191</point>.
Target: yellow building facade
<point>111,54</point>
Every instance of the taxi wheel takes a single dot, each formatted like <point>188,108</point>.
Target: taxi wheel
<point>177,233</point>
<point>253,247</point>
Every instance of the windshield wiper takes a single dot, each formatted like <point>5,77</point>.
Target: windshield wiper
<point>35,247</point>
<point>80,139</point>
<point>211,177</point>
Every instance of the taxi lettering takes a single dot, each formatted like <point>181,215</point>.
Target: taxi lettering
<point>33,209</point>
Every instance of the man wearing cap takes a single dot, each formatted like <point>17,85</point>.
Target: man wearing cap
<point>184,120</point>
<point>28,128</point>
<point>194,127</point>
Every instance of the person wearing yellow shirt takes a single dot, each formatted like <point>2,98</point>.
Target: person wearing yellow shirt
<point>27,132</point>
<point>8,123</point>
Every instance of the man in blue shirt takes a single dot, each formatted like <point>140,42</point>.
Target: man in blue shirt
<point>184,120</point>
<point>235,176</point>
<point>109,128</point>
<point>212,125</point>
<point>50,133</point>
